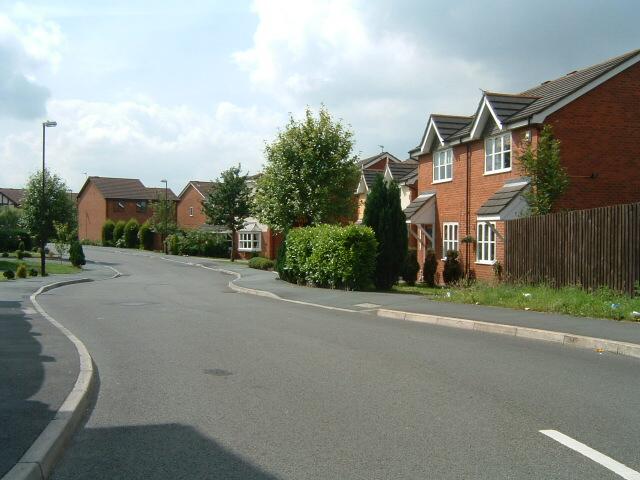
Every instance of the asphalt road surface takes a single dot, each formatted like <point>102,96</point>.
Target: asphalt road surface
<point>196,381</point>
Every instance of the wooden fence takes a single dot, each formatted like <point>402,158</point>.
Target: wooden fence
<point>592,248</point>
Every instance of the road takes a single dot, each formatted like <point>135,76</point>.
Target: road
<point>197,381</point>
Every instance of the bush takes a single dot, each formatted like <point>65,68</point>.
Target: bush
<point>8,274</point>
<point>131,233</point>
<point>76,254</point>
<point>26,254</point>
<point>281,260</point>
<point>145,236</point>
<point>331,256</point>
<point>411,268</point>
<point>33,272</point>
<point>86,241</point>
<point>21,245</point>
<point>108,231</point>
<point>430,267</point>
<point>118,231</point>
<point>10,239</point>
<point>19,254</point>
<point>261,263</point>
<point>5,254</point>
<point>198,243</point>
<point>21,271</point>
<point>452,271</point>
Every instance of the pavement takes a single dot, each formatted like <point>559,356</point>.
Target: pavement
<point>38,365</point>
<point>199,381</point>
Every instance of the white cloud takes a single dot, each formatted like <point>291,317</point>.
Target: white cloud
<point>140,139</point>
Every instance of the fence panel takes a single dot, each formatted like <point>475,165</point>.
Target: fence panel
<point>592,248</point>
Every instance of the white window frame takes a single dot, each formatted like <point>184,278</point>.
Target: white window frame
<point>450,236</point>
<point>249,241</point>
<point>441,160</point>
<point>486,243</point>
<point>191,211</point>
<point>496,157</point>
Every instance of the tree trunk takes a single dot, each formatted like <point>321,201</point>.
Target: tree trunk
<point>233,244</point>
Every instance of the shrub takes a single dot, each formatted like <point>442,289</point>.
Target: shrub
<point>8,274</point>
<point>26,254</point>
<point>197,243</point>
<point>5,254</point>
<point>76,254</point>
<point>261,263</point>
<point>145,236</point>
<point>131,233</point>
<point>10,239</point>
<point>21,246</point>
<point>430,267</point>
<point>452,271</point>
<point>19,254</point>
<point>33,272</point>
<point>118,231</point>
<point>281,260</point>
<point>331,256</point>
<point>86,241</point>
<point>108,232</point>
<point>411,268</point>
<point>21,271</point>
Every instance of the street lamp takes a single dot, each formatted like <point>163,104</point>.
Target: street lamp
<point>166,213</point>
<point>43,242</point>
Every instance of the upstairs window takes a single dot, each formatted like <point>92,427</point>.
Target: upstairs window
<point>118,206</point>
<point>141,206</point>
<point>443,165</point>
<point>497,154</point>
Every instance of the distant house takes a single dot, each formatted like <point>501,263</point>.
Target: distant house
<point>469,177</point>
<point>11,197</point>
<point>102,198</point>
<point>253,239</point>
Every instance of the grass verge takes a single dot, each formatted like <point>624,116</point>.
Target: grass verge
<point>53,266</point>
<point>603,303</point>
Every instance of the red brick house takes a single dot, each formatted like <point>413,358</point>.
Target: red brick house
<point>469,179</point>
<point>11,197</point>
<point>253,239</point>
<point>102,198</point>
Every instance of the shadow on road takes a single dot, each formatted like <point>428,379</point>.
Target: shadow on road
<point>21,377</point>
<point>165,451</point>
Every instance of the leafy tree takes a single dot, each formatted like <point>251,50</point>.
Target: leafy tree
<point>383,213</point>
<point>163,220</point>
<point>310,175</point>
<point>107,232</point>
<point>549,179</point>
<point>64,237</point>
<point>39,214</point>
<point>10,218</point>
<point>229,203</point>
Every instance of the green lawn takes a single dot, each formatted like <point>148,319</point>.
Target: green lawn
<point>603,303</point>
<point>53,266</point>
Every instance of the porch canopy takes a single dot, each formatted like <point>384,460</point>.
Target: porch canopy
<point>507,203</point>
<point>422,211</point>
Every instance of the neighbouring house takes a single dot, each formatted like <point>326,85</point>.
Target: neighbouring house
<point>253,239</point>
<point>102,198</point>
<point>11,197</point>
<point>469,178</point>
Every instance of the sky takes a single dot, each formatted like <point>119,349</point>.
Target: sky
<point>185,89</point>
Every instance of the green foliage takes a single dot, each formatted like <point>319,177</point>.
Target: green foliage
<point>19,254</point>
<point>21,245</point>
<point>21,271</point>
<point>8,274</point>
<point>145,236</point>
<point>10,238</point>
<point>108,233</point>
<point>430,267</point>
<point>411,268</point>
<point>118,231</point>
<point>228,203</point>
<point>383,213</point>
<point>310,174</point>
<point>452,271</point>
<point>163,219</point>
<point>197,243</point>
<point>10,218</point>
<point>5,254</point>
<point>39,215</point>
<point>64,236</point>
<point>281,259</point>
<point>331,256</point>
<point>33,272</point>
<point>549,179</point>
<point>261,263</point>
<point>131,233</point>
<point>76,253</point>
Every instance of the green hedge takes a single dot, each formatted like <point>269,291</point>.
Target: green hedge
<point>131,233</point>
<point>261,263</point>
<point>197,243</point>
<point>330,256</point>
<point>107,233</point>
<point>145,236</point>
<point>10,239</point>
<point>118,231</point>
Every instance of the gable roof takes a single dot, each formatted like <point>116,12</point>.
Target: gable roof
<point>364,163</point>
<point>420,201</point>
<point>201,187</point>
<point>401,170</point>
<point>500,200</point>
<point>16,195</point>
<point>126,189</point>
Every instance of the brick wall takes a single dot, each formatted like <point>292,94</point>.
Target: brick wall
<point>91,213</point>
<point>190,199</point>
<point>130,210</point>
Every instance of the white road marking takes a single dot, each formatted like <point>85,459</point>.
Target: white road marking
<point>607,462</point>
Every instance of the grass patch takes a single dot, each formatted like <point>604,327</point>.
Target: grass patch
<point>54,267</point>
<point>602,303</point>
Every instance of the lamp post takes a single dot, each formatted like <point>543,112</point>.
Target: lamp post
<point>166,213</point>
<point>43,232</point>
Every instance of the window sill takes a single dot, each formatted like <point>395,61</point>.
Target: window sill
<point>485,262</point>
<point>495,172</point>
<point>250,250</point>
<point>434,182</point>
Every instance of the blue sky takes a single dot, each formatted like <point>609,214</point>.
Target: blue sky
<point>183,90</point>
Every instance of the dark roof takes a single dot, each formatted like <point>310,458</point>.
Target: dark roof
<point>16,195</point>
<point>127,189</point>
<point>506,106</point>
<point>410,178</point>
<point>379,156</point>
<point>448,125</point>
<point>503,197</point>
<point>370,176</point>
<point>417,203</point>
<point>401,170</point>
